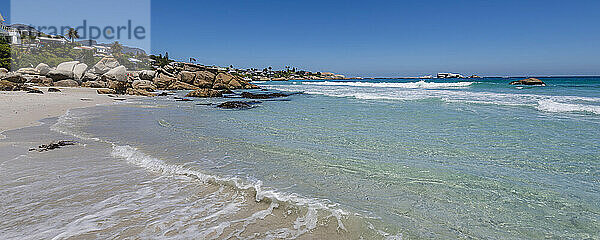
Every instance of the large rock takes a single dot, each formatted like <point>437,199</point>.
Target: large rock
<point>139,92</point>
<point>202,84</point>
<point>205,93</point>
<point>41,81</point>
<point>67,66</point>
<point>30,71</point>
<point>43,68</point>
<point>119,86</point>
<point>66,83</point>
<point>94,84</point>
<point>163,81</point>
<point>168,68</point>
<point>9,86</point>
<point>234,84</point>
<point>144,85</point>
<point>58,75</point>
<point>147,75</point>
<point>13,77</point>
<point>204,79</point>
<point>88,76</point>
<point>224,78</point>
<point>79,70</point>
<point>219,86</point>
<point>165,72</point>
<point>206,76</point>
<point>178,85</point>
<point>192,67</point>
<point>105,65</point>
<point>528,81</point>
<point>116,74</point>
<point>186,77</point>
<point>3,70</point>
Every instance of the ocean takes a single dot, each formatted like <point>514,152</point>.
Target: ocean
<point>360,159</point>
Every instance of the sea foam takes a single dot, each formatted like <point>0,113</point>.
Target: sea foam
<point>419,84</point>
<point>552,106</point>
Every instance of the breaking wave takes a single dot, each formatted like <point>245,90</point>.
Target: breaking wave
<point>373,91</point>
<point>419,84</point>
<point>552,106</point>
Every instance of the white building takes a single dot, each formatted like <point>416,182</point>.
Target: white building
<point>47,40</point>
<point>449,75</point>
<point>101,49</point>
<point>13,35</point>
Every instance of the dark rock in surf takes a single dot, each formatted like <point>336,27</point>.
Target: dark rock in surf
<point>33,90</point>
<point>52,146</point>
<point>237,105</point>
<point>106,91</point>
<point>528,81</point>
<point>263,95</point>
<point>180,99</point>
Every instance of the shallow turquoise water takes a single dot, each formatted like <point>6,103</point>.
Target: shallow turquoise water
<point>425,159</point>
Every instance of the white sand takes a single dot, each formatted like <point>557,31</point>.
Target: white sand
<point>21,109</point>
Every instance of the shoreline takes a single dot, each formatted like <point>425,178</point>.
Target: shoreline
<point>134,162</point>
<point>24,109</point>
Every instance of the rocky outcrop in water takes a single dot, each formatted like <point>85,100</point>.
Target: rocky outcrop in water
<point>239,105</point>
<point>528,81</point>
<point>263,95</point>
<point>234,105</point>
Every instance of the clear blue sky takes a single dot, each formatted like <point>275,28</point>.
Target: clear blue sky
<point>385,38</point>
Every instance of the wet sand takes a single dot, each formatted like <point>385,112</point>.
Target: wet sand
<point>21,109</point>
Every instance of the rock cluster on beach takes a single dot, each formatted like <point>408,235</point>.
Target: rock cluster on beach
<point>113,78</point>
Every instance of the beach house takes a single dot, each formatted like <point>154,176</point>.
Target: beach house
<point>10,33</point>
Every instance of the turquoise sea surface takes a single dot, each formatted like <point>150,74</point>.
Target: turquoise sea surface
<point>409,158</point>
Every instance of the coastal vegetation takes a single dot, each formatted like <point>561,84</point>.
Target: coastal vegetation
<point>72,34</point>
<point>5,59</point>
<point>161,60</point>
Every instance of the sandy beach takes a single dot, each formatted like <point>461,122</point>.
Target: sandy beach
<point>21,109</point>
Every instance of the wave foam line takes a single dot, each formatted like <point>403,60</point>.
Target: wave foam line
<point>552,106</point>
<point>302,225</point>
<point>419,84</point>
